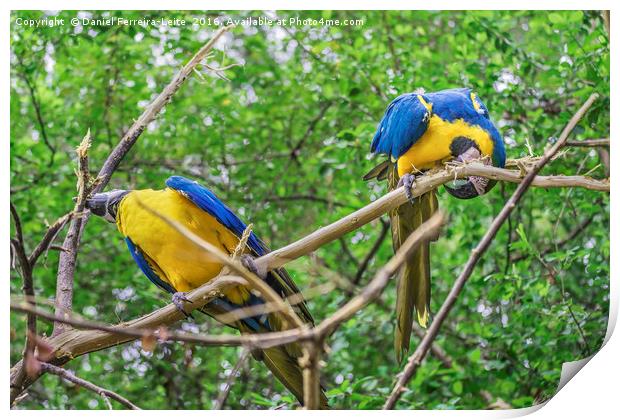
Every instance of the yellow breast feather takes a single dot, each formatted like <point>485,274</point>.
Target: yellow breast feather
<point>179,261</point>
<point>434,146</point>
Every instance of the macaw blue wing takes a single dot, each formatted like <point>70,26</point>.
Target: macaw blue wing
<point>146,267</point>
<point>278,279</point>
<point>221,306</point>
<point>405,121</point>
<point>207,201</point>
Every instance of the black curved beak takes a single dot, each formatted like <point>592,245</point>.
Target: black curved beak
<point>97,204</point>
<point>474,187</point>
<point>463,192</point>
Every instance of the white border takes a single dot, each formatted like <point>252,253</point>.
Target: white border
<point>592,394</point>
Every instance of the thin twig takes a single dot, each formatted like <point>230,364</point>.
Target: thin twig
<point>74,343</point>
<point>385,227</point>
<point>48,238</point>
<point>242,242</point>
<point>267,308</point>
<point>65,374</point>
<point>416,359</point>
<point>28,288</point>
<point>37,109</point>
<point>589,143</point>
<point>310,361</point>
<point>376,286</point>
<point>221,399</point>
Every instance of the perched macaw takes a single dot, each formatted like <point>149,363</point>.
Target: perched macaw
<point>420,132</point>
<point>177,265</point>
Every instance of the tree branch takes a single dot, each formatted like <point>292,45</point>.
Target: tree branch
<point>310,362</point>
<point>37,109</point>
<point>48,238</point>
<point>221,399</point>
<point>28,289</point>
<point>589,143</point>
<point>65,374</point>
<point>66,265</point>
<point>397,197</point>
<point>416,359</point>
<point>385,228</point>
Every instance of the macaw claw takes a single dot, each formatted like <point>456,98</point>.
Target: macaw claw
<point>408,181</point>
<point>479,183</point>
<point>178,298</point>
<point>250,263</point>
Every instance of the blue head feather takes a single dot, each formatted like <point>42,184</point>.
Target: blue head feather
<point>453,104</point>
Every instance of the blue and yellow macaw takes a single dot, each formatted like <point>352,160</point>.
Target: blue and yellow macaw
<point>176,265</point>
<point>420,132</point>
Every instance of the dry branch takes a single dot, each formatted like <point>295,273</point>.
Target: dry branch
<point>589,143</point>
<point>65,374</point>
<point>376,286</point>
<point>221,399</point>
<point>397,197</point>
<point>416,359</point>
<point>48,238</point>
<point>66,264</point>
<point>310,361</point>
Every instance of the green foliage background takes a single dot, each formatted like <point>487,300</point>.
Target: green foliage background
<point>285,142</point>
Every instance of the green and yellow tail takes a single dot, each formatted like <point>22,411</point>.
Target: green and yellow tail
<point>414,283</point>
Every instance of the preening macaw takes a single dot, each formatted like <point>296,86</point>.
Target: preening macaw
<point>177,265</point>
<point>420,132</point>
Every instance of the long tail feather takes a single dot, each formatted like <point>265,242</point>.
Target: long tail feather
<point>282,361</point>
<point>380,171</point>
<point>287,370</point>
<point>414,283</point>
